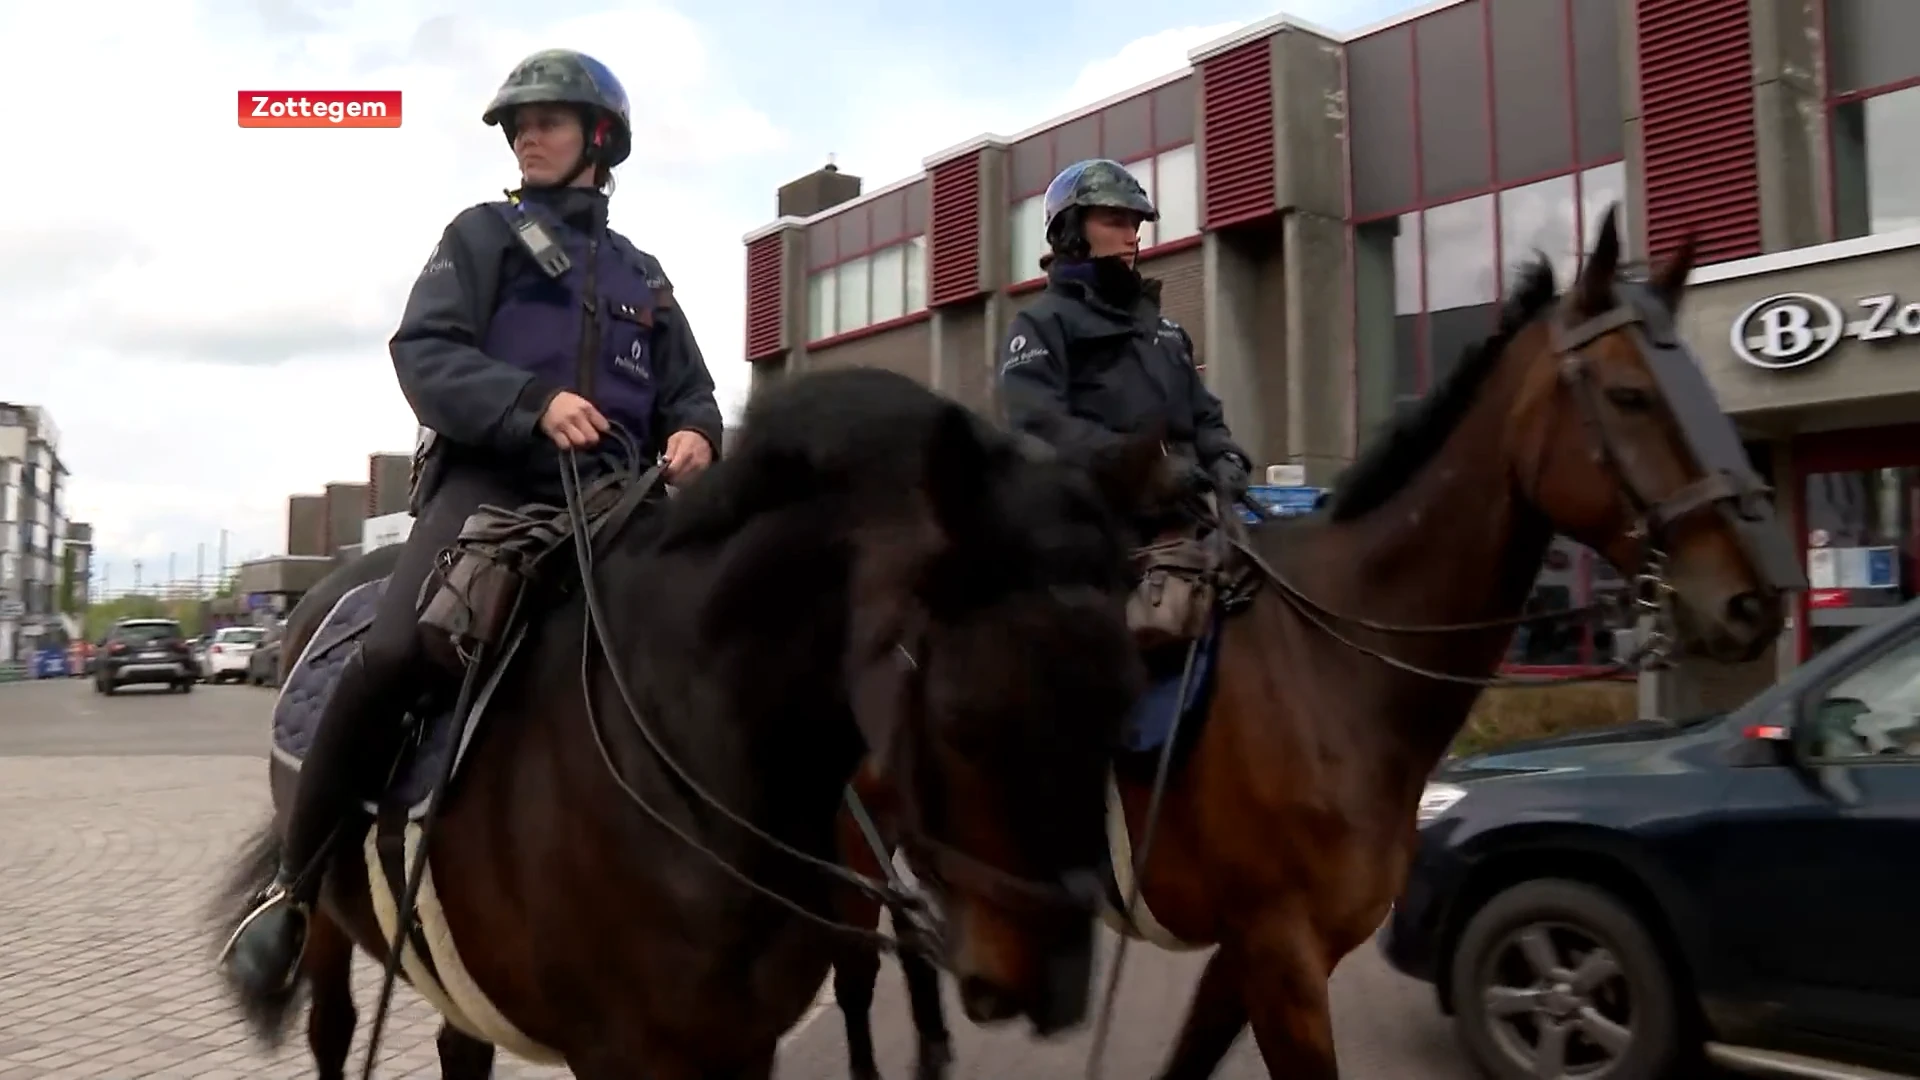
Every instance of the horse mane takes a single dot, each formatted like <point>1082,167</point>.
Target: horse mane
<point>1412,438</point>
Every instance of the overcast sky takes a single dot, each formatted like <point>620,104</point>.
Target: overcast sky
<point>204,309</point>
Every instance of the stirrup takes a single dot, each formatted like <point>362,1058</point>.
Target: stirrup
<point>271,897</point>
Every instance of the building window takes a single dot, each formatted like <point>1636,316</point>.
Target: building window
<point>876,288</point>
<point>1475,148</point>
<point>1151,134</point>
<point>1862,550</point>
<point>1876,163</point>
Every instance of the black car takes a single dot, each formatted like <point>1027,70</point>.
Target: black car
<point>263,667</point>
<point>140,652</point>
<point>1738,889</point>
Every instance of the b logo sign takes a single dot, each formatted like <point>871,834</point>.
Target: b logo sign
<point>1787,330</point>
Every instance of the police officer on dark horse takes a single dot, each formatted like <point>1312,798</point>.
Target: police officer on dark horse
<point>490,355</point>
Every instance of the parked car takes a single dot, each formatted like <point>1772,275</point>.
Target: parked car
<point>263,666</point>
<point>228,652</point>
<point>1735,888</point>
<point>143,652</point>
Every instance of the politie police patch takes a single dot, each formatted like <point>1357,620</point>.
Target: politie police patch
<point>436,262</point>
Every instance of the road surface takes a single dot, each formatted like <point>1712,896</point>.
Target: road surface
<point>120,811</point>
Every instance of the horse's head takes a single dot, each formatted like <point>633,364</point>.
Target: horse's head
<point>1621,445</point>
<point>993,670</point>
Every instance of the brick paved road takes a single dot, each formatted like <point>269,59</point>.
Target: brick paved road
<point>118,810</point>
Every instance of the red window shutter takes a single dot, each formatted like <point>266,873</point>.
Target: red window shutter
<point>953,238</point>
<point>1696,108</point>
<point>766,287</point>
<point>1236,145</point>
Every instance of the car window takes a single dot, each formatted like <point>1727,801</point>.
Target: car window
<point>240,635</point>
<point>147,633</point>
<point>1875,710</point>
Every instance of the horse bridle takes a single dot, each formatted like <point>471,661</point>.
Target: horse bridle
<point>1727,485</point>
<point>939,863</point>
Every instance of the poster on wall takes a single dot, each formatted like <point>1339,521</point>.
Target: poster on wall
<point>1853,576</point>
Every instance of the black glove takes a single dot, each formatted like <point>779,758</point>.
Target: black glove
<point>1229,478</point>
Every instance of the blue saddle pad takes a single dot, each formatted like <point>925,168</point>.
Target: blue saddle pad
<point>1153,715</point>
<point>310,684</point>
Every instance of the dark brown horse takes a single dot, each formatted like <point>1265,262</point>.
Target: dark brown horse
<point>875,572</point>
<point>1285,832</point>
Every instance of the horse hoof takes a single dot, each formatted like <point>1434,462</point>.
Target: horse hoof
<point>935,1059</point>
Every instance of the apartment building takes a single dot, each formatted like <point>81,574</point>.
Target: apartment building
<point>33,488</point>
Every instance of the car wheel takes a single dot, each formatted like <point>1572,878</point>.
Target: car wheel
<point>1557,979</point>
<point>186,687</point>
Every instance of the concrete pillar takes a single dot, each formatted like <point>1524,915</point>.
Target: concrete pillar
<point>1790,125</point>
<point>1320,350</point>
<point>1254,401</point>
<point>1632,138</point>
<point>1789,492</point>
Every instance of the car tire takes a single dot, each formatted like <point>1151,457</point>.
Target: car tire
<point>1573,921</point>
<point>185,687</point>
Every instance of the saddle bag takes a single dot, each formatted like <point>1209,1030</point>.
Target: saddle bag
<point>481,578</point>
<point>1175,597</point>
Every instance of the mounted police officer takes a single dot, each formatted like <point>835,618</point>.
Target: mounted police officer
<point>530,328</point>
<point>1093,360</point>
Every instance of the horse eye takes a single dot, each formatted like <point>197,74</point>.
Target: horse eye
<point>1630,398</point>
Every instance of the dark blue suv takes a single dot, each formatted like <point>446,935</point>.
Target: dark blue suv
<point>1633,902</point>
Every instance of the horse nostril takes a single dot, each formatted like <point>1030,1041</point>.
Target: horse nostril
<point>1747,609</point>
<point>984,1004</point>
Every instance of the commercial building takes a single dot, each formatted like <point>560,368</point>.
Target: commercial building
<point>1340,212</point>
<point>323,531</point>
<point>33,521</point>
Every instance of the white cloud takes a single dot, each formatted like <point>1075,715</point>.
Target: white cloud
<point>204,308</point>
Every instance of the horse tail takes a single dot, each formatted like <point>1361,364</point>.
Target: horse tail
<point>253,869</point>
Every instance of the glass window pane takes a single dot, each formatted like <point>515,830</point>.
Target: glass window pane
<point>916,274</point>
<point>1560,585</point>
<point>1539,220</point>
<point>1380,120</point>
<point>1386,293</point>
<point>1870,43</point>
<point>1874,711</point>
<point>889,284</point>
<point>1596,79</point>
<point>823,313</point>
<point>1177,178</point>
<point>1454,142</point>
<point>1532,106</point>
<point>1143,172</point>
<point>1453,331</point>
<point>1601,187</point>
<point>1460,254</point>
<point>1861,547</point>
<point>1892,174</point>
<point>852,290</point>
<point>1027,239</point>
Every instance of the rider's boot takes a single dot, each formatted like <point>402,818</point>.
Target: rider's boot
<point>265,951</point>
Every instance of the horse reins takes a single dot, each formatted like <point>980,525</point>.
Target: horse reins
<point>1651,594</point>
<point>594,631</point>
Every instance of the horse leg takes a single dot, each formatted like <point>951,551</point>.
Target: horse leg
<point>463,1057</point>
<point>855,971</point>
<point>1288,1001</point>
<point>1214,1020</point>
<point>929,1017</point>
<point>330,1014</point>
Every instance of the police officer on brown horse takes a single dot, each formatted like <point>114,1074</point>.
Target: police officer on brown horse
<point>532,327</point>
<point>1093,360</point>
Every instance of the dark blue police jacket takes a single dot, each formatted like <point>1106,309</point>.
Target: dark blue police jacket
<point>537,321</point>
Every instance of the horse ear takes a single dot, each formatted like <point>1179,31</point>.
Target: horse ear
<point>1670,281</point>
<point>1595,288</point>
<point>1133,477</point>
<point>957,467</point>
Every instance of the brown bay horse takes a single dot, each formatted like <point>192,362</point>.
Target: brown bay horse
<point>1284,833</point>
<point>634,860</point>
